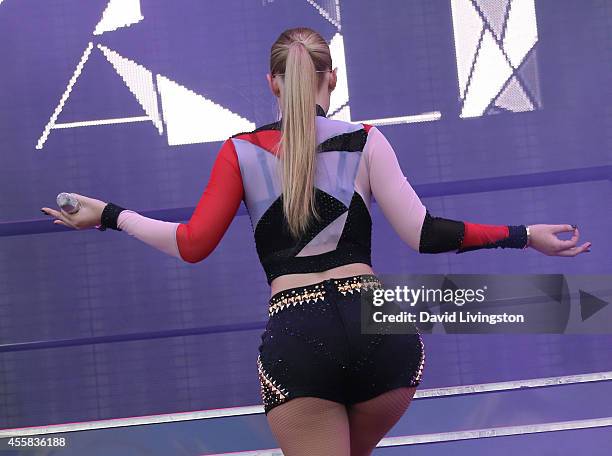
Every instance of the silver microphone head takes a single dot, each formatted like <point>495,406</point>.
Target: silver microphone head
<point>68,203</point>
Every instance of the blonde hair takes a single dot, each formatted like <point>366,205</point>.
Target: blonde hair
<point>300,55</point>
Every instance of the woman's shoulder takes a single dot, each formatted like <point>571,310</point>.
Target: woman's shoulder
<point>328,130</point>
<point>341,134</point>
<point>273,126</point>
<point>260,139</point>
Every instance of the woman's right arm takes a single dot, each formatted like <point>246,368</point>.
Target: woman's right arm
<point>195,240</point>
<point>192,241</point>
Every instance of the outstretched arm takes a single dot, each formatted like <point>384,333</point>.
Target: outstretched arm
<point>192,241</point>
<point>429,234</point>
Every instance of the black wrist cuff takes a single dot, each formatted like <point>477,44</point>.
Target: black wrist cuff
<point>517,238</point>
<point>110,214</point>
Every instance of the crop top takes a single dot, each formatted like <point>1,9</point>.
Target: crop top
<point>354,163</point>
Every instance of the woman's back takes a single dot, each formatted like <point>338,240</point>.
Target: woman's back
<point>353,163</point>
<point>341,235</point>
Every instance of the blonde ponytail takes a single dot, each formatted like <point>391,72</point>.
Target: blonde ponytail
<point>298,54</point>
<point>298,140</point>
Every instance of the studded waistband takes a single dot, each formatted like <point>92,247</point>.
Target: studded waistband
<point>318,291</point>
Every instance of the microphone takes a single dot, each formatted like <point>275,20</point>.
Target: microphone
<point>68,203</point>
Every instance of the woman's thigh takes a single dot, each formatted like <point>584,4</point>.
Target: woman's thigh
<point>369,421</point>
<point>310,426</point>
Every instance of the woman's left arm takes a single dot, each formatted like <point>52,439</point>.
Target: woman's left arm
<point>462,236</point>
<point>429,234</point>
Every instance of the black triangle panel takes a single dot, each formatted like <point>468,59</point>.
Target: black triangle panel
<point>358,226</point>
<point>272,233</point>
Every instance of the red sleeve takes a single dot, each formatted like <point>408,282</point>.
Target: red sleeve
<point>216,209</point>
<point>478,234</point>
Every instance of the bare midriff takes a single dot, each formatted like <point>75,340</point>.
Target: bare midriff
<point>287,281</point>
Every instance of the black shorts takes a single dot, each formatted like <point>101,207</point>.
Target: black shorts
<point>313,346</point>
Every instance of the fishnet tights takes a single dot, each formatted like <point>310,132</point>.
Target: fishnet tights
<point>310,426</point>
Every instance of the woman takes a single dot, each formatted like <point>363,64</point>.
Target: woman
<point>307,182</point>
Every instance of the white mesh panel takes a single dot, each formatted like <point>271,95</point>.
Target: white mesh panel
<point>327,239</point>
<point>336,172</point>
<point>327,128</point>
<point>260,178</point>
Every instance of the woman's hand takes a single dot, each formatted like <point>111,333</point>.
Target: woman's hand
<point>543,239</point>
<point>88,215</point>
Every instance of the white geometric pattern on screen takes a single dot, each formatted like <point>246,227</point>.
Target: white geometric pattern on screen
<point>495,43</point>
<point>166,102</point>
<point>182,109</point>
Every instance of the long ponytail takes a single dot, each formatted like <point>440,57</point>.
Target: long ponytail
<point>298,139</point>
<point>299,53</point>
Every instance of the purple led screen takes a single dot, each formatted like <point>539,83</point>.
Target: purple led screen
<point>507,119</point>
